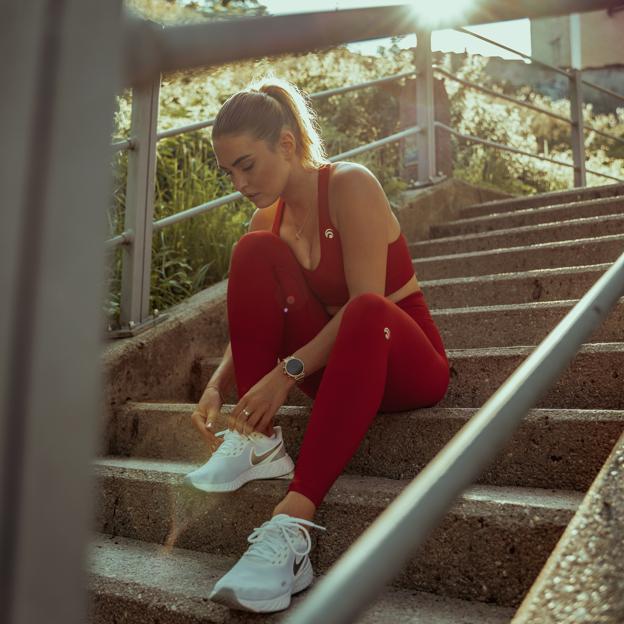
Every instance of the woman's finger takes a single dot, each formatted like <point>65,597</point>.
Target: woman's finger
<point>199,422</point>
<point>265,422</point>
<point>253,420</point>
<point>237,421</point>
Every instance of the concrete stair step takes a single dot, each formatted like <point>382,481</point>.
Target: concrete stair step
<point>147,583</point>
<point>549,450</point>
<point>516,324</point>
<point>593,380</point>
<point>558,284</point>
<point>514,237</point>
<point>529,216</point>
<point>144,499</point>
<point>543,199</point>
<point>583,251</point>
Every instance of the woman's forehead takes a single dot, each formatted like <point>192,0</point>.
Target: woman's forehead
<point>232,146</point>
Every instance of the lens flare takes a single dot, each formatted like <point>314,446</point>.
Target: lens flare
<point>443,13</point>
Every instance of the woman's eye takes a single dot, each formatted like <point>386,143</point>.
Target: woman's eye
<point>248,168</point>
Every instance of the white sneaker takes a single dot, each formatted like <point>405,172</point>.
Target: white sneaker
<point>274,567</point>
<point>241,458</point>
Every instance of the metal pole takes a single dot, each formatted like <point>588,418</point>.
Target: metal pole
<point>578,134</point>
<point>139,216</point>
<point>425,107</point>
<point>60,62</point>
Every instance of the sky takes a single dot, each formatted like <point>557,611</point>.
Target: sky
<point>515,34</point>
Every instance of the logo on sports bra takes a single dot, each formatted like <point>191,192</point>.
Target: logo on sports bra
<point>329,233</point>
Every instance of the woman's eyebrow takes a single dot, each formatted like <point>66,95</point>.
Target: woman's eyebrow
<point>236,161</point>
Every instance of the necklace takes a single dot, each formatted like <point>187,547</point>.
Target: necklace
<point>298,232</point>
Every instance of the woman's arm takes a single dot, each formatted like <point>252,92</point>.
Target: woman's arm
<point>316,352</point>
<point>223,377</point>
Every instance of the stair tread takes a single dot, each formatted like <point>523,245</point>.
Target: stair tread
<point>519,275</point>
<point>426,413</point>
<point>181,580</point>
<point>616,188</point>
<point>599,201</point>
<point>519,230</point>
<point>378,489</point>
<point>525,248</point>
<point>564,304</point>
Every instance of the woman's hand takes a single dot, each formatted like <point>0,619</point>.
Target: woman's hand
<point>205,415</point>
<point>261,401</point>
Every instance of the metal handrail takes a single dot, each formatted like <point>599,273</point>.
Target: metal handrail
<point>558,70</point>
<point>593,85</point>
<point>604,134</point>
<point>515,150</point>
<point>563,72</point>
<point>382,550</point>
<point>362,85</point>
<point>126,237</point>
<point>212,43</point>
<point>199,125</point>
<point>502,96</point>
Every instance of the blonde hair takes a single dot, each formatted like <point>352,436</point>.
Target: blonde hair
<point>264,107</point>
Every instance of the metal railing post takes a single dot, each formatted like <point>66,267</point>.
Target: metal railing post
<point>139,214</point>
<point>425,111</point>
<point>578,134</point>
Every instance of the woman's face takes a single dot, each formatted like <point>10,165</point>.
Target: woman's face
<point>255,170</point>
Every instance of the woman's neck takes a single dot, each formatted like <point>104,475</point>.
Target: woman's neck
<point>300,193</point>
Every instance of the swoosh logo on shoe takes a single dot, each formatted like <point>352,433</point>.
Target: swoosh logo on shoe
<point>256,459</point>
<point>297,566</point>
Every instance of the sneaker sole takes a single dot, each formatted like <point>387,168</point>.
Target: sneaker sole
<point>227,596</point>
<point>283,468</point>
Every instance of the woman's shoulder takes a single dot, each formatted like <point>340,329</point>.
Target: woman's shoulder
<point>348,178</point>
<point>346,172</point>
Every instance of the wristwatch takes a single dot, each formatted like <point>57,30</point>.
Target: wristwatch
<point>293,367</point>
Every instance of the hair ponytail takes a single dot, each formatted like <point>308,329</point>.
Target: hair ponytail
<point>264,107</point>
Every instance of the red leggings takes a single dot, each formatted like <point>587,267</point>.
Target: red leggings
<point>272,312</point>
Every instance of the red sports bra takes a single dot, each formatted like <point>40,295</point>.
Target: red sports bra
<point>328,281</point>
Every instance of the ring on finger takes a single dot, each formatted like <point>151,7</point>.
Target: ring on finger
<point>246,412</point>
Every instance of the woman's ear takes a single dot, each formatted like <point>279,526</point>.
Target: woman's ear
<point>287,144</point>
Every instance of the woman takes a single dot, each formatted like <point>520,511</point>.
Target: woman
<point>323,284</point>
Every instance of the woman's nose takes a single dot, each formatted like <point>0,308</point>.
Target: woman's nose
<point>240,183</point>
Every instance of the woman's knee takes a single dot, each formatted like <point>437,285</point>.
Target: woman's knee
<point>367,304</point>
<point>257,246</point>
<point>365,311</point>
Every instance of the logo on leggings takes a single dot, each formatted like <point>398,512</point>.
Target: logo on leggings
<point>387,333</point>
<point>329,233</point>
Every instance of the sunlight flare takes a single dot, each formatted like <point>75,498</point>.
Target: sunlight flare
<point>440,13</point>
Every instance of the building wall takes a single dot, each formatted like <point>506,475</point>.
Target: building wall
<point>550,40</point>
<point>601,39</point>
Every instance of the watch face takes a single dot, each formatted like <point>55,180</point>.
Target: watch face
<point>294,367</point>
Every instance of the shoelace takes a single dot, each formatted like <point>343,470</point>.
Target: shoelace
<point>266,539</point>
<point>233,441</point>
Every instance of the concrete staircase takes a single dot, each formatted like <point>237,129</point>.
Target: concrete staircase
<point>497,281</point>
